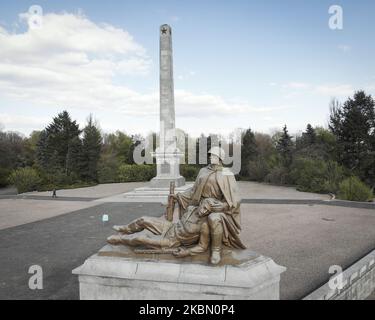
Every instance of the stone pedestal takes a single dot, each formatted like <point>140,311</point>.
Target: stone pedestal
<point>118,273</point>
<point>149,194</point>
<point>168,170</point>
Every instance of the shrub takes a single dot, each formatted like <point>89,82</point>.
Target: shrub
<point>335,174</point>
<point>315,175</point>
<point>25,179</point>
<point>189,171</point>
<point>50,187</point>
<point>58,179</point>
<point>278,175</point>
<point>108,174</point>
<point>4,177</point>
<point>62,179</point>
<point>258,169</point>
<point>136,172</point>
<point>353,189</point>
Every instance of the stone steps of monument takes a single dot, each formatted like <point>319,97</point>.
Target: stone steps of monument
<point>149,189</point>
<point>135,195</point>
<point>147,194</point>
<point>155,191</point>
<point>162,193</point>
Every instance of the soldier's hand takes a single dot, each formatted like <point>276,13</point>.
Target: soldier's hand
<point>181,252</point>
<point>203,212</point>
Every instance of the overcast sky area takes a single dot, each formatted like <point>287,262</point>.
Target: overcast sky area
<point>237,64</point>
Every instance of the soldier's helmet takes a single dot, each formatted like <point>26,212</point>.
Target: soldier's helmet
<point>217,151</point>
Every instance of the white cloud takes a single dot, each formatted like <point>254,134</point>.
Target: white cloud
<point>19,122</point>
<point>187,75</point>
<point>76,33</point>
<point>268,118</point>
<point>194,105</point>
<point>297,89</point>
<point>342,90</point>
<point>296,85</point>
<point>291,90</point>
<point>344,47</point>
<point>71,62</point>
<point>370,87</point>
<point>175,18</point>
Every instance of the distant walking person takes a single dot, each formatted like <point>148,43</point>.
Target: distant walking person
<point>54,193</point>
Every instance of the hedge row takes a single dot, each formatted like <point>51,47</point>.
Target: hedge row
<point>309,175</point>
<point>133,173</point>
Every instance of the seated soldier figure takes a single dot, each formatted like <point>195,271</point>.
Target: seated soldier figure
<point>215,192</point>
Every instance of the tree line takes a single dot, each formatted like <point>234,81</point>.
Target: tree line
<point>339,159</point>
<point>63,156</point>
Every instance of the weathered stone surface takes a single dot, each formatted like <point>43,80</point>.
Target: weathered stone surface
<point>229,256</point>
<point>118,273</point>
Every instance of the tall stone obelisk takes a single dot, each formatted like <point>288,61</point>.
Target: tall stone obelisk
<point>167,154</point>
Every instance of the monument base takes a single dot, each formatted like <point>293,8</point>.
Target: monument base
<point>160,182</point>
<point>151,194</point>
<point>117,273</point>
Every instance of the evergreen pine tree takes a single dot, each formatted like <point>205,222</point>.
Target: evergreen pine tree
<point>91,147</point>
<point>353,124</point>
<point>41,150</point>
<point>73,157</point>
<point>285,148</point>
<point>309,136</point>
<point>59,145</point>
<point>248,151</point>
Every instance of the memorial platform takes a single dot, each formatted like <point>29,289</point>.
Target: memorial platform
<point>117,273</point>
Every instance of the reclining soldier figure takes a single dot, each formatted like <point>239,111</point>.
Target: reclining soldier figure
<point>190,231</point>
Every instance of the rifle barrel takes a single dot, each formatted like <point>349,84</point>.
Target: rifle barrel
<point>160,251</point>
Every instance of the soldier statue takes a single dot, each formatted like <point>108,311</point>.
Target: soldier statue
<point>210,216</point>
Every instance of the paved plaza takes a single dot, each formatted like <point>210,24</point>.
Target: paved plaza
<point>307,233</point>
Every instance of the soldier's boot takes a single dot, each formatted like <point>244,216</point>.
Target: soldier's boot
<point>216,242</point>
<point>122,229</point>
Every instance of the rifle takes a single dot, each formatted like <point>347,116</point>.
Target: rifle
<point>160,251</point>
<point>171,203</point>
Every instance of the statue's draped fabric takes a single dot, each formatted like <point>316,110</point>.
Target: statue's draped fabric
<point>215,190</point>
